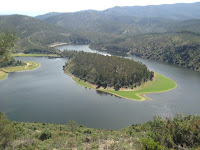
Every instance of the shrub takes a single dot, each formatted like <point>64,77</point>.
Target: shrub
<point>72,126</point>
<point>88,131</point>
<point>6,131</point>
<point>150,144</point>
<point>45,135</point>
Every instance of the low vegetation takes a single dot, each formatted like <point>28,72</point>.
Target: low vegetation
<point>180,132</point>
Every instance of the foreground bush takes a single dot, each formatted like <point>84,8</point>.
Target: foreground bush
<point>149,144</point>
<point>6,131</point>
<point>45,135</point>
<point>180,132</point>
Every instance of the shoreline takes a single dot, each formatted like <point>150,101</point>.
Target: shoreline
<point>138,93</point>
<point>33,55</point>
<point>4,72</point>
<point>57,44</point>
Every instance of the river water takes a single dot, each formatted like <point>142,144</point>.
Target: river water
<point>48,95</point>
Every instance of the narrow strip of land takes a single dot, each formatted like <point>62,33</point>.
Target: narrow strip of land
<point>33,55</point>
<point>57,44</point>
<point>28,66</point>
<point>158,85</point>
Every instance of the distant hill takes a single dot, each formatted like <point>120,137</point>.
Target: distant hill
<point>118,28</point>
<point>130,20</point>
<point>192,25</point>
<point>32,33</point>
<point>180,11</point>
<point>42,17</point>
<point>94,21</point>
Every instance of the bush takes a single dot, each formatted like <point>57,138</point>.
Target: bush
<point>45,135</point>
<point>180,131</point>
<point>88,131</point>
<point>6,131</point>
<point>72,126</point>
<point>150,144</point>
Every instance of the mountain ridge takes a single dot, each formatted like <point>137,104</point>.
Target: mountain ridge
<point>177,11</point>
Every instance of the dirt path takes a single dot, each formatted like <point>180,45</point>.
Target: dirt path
<point>27,64</point>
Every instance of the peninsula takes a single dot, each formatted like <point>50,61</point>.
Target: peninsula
<point>115,75</point>
<point>25,67</point>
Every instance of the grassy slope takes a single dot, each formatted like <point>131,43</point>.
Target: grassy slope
<point>28,137</point>
<point>32,55</point>
<point>29,66</point>
<point>186,128</point>
<point>158,85</point>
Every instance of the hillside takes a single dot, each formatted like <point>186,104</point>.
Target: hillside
<point>181,48</point>
<point>32,33</point>
<point>44,16</point>
<point>180,11</point>
<point>181,132</point>
<point>144,37</point>
<point>108,23</point>
<point>114,29</point>
<point>127,21</point>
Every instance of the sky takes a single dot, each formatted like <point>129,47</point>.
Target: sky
<point>38,7</point>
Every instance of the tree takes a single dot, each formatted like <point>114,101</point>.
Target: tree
<point>6,44</point>
<point>6,131</point>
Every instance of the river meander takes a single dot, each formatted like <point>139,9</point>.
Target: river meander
<point>48,95</point>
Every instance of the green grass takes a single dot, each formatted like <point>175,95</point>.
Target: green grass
<point>158,85</point>
<point>3,75</point>
<point>32,55</point>
<point>82,83</point>
<point>29,66</point>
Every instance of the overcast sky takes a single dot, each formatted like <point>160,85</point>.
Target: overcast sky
<point>37,7</point>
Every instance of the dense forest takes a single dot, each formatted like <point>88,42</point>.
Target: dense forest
<point>181,48</point>
<point>108,71</point>
<point>180,132</point>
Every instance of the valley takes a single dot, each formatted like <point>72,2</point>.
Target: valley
<point>126,77</point>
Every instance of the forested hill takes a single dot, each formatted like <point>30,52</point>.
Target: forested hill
<point>127,20</point>
<point>179,11</point>
<point>109,23</point>
<point>108,71</point>
<point>32,33</point>
<point>178,48</point>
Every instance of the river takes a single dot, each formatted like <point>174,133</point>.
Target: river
<point>48,95</point>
